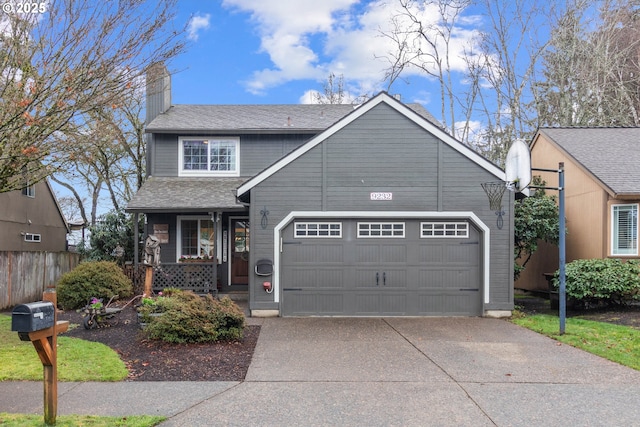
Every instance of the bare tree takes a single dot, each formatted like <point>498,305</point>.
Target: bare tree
<point>335,92</point>
<point>591,73</point>
<point>63,67</point>
<point>109,155</point>
<point>422,34</point>
<point>487,101</point>
<point>511,54</point>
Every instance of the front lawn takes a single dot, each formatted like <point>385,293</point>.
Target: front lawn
<point>78,360</point>
<point>620,344</point>
<point>22,420</point>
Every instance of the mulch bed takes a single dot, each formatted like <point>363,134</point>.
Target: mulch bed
<point>153,360</point>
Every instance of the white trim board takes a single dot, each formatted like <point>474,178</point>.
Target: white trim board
<point>277,236</point>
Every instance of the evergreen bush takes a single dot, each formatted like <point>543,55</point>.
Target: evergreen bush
<point>189,318</point>
<point>595,281</point>
<point>99,279</point>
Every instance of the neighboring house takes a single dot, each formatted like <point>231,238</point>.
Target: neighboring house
<point>31,220</point>
<point>602,195</point>
<point>361,211</point>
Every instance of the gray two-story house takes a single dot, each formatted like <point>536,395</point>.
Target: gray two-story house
<point>327,210</point>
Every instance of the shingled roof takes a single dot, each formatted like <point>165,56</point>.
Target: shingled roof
<point>301,118</point>
<point>612,155</point>
<point>186,194</point>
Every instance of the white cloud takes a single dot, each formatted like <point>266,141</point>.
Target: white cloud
<point>197,24</point>
<point>311,97</point>
<point>308,39</point>
<point>475,129</point>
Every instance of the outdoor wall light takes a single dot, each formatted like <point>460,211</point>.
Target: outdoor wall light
<point>264,221</point>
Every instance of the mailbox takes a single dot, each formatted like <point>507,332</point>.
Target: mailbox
<point>264,267</point>
<point>33,316</point>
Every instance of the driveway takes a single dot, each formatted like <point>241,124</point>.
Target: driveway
<point>418,372</point>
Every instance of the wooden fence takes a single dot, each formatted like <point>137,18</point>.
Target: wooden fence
<point>24,276</point>
<point>136,274</point>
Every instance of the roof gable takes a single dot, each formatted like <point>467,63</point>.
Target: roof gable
<point>58,209</point>
<point>403,109</point>
<point>610,155</point>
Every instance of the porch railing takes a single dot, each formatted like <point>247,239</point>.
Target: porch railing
<point>197,277</point>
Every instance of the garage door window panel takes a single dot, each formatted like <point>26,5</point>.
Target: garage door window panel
<point>381,229</point>
<point>318,229</point>
<point>444,230</point>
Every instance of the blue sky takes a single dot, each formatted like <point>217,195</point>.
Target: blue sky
<point>279,51</point>
<point>275,51</point>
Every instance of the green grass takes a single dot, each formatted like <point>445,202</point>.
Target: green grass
<point>22,420</point>
<point>620,344</point>
<point>78,360</point>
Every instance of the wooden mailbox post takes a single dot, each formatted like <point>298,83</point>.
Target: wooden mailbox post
<point>45,342</point>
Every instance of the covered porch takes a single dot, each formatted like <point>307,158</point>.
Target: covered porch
<point>204,233</point>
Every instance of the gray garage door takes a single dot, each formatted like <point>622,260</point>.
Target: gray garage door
<point>381,268</point>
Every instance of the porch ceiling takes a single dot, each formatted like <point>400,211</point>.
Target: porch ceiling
<point>180,194</point>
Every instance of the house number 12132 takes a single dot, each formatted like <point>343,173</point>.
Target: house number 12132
<point>381,196</point>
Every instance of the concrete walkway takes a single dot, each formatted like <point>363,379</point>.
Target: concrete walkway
<point>378,372</point>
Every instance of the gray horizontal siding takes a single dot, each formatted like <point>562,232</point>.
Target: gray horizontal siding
<point>257,152</point>
<point>165,155</point>
<point>167,250</point>
<point>383,151</point>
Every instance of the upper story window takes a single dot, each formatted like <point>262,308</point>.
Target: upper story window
<point>29,191</point>
<point>209,156</point>
<point>624,229</point>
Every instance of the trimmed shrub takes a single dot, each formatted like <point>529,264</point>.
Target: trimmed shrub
<point>189,318</point>
<point>101,279</point>
<point>595,281</point>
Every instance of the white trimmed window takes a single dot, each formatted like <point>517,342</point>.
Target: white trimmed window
<point>444,229</point>
<point>381,229</point>
<point>318,229</point>
<point>624,229</point>
<point>196,237</point>
<point>29,191</point>
<point>209,156</point>
<point>34,238</point>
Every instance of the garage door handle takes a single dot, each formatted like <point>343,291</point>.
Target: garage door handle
<point>384,279</point>
<point>470,289</point>
<point>377,278</point>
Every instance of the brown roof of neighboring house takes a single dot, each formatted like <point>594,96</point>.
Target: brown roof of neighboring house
<point>612,155</point>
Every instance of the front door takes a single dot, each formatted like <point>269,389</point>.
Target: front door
<point>239,251</point>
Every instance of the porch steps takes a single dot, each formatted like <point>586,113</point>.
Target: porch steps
<point>235,295</point>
